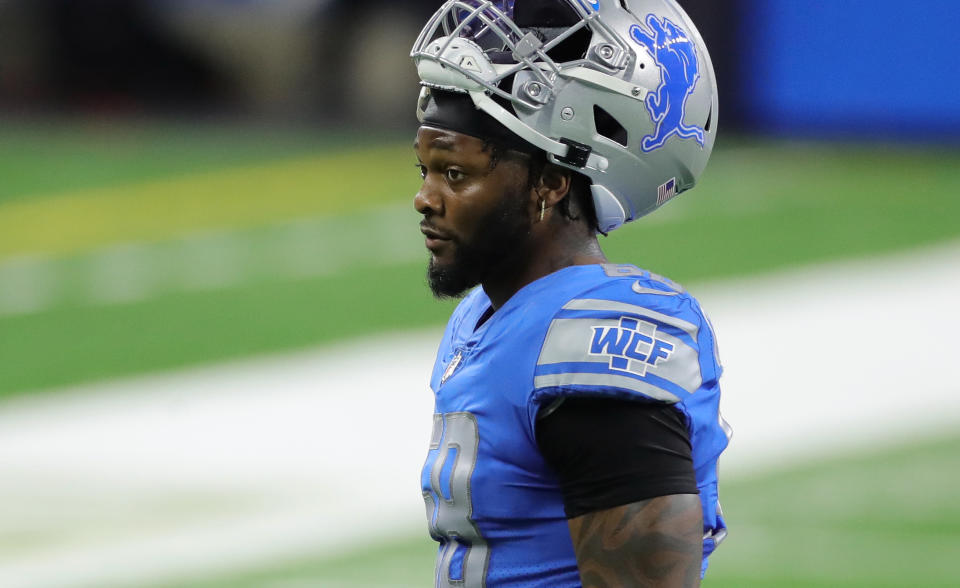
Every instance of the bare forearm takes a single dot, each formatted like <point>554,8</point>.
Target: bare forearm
<point>656,542</point>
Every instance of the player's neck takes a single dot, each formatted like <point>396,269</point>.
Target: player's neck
<point>548,251</point>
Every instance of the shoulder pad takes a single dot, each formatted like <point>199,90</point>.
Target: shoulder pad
<point>628,349</point>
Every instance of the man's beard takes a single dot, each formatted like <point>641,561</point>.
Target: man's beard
<point>498,240</point>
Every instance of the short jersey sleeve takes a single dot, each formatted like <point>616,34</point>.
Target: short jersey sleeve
<point>636,336</point>
<point>626,340</point>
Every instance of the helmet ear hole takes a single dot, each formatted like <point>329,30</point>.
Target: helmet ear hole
<point>609,127</point>
<point>707,125</point>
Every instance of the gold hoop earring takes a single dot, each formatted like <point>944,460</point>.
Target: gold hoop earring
<point>543,208</point>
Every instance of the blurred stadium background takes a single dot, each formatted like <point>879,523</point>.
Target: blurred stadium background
<point>215,333</point>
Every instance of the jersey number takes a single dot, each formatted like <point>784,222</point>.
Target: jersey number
<point>463,556</point>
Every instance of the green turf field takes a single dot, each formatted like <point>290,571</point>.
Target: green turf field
<point>883,520</point>
<point>128,250</point>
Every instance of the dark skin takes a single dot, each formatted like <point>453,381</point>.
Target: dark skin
<point>460,186</point>
<point>655,542</point>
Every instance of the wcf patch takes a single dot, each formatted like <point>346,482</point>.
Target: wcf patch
<point>632,346</point>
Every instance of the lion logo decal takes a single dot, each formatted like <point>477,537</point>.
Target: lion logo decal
<point>676,56</point>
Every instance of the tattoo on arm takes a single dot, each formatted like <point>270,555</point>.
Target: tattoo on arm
<point>656,542</point>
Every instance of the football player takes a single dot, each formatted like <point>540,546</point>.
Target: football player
<point>577,427</point>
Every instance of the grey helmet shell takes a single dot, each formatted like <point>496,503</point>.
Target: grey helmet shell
<point>636,112</point>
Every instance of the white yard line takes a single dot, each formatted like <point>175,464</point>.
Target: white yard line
<point>838,358</point>
<point>207,260</point>
<point>27,284</point>
<point>207,469</point>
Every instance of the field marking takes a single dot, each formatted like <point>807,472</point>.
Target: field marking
<point>838,358</point>
<point>201,471</point>
<point>208,260</point>
<point>27,284</point>
<point>235,195</point>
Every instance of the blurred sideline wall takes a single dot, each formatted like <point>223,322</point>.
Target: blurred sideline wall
<point>847,67</point>
<point>285,59</point>
<point>876,68</point>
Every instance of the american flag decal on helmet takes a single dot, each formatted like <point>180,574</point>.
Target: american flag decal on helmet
<point>666,191</point>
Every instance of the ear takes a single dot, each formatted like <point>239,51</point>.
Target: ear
<point>553,185</point>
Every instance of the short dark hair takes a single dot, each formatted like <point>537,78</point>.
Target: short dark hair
<point>536,162</point>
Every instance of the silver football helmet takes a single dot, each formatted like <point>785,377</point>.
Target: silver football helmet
<point>622,91</point>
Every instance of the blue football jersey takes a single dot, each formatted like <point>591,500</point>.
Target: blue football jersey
<point>492,502</point>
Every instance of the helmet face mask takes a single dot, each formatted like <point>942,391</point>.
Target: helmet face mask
<point>622,91</point>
